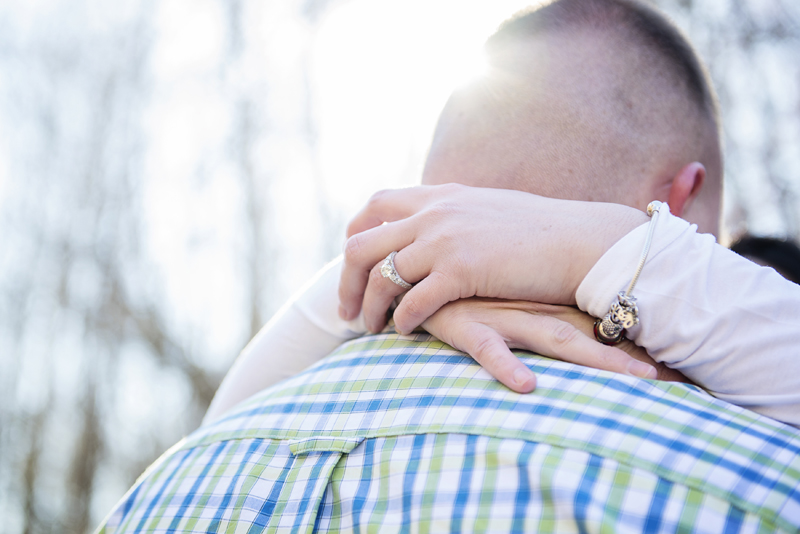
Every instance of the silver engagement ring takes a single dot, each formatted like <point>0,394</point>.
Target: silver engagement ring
<point>388,271</point>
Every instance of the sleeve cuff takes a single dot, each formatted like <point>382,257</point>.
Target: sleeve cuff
<point>319,303</point>
<point>615,269</point>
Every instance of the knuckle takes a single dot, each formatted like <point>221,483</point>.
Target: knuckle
<point>353,248</point>
<point>564,334</point>
<point>351,229</point>
<point>604,359</point>
<point>377,197</point>
<point>442,210</point>
<point>493,355</point>
<point>413,308</point>
<point>482,346</point>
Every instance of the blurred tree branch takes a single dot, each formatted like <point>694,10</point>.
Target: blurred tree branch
<point>81,292</point>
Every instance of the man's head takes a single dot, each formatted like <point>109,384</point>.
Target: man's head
<point>599,100</point>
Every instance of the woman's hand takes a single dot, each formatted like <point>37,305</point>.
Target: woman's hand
<point>487,329</point>
<point>456,241</point>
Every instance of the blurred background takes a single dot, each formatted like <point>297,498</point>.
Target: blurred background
<point>172,171</point>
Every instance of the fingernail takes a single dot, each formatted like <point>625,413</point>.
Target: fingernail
<point>343,315</point>
<point>522,376</point>
<point>642,370</point>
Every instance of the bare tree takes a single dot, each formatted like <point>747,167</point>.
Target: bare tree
<point>91,336</point>
<point>743,42</point>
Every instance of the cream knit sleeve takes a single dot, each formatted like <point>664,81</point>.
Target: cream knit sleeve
<point>728,324</point>
<point>303,332</point>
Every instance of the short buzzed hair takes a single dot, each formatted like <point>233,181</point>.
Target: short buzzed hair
<point>585,99</point>
<point>636,20</point>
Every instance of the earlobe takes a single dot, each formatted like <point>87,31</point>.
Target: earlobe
<point>685,187</point>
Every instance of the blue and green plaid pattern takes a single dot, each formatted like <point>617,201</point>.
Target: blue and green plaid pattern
<point>402,433</point>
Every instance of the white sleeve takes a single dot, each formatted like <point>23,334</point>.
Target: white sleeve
<point>303,332</point>
<point>728,324</point>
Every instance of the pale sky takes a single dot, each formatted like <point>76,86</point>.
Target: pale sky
<point>379,77</point>
<point>378,74</point>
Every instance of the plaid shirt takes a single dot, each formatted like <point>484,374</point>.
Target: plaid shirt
<point>402,433</point>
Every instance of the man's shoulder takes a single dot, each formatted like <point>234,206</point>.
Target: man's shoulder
<point>417,374</point>
<point>398,393</point>
<point>392,385</point>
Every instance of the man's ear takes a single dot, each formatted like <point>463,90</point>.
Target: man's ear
<point>685,187</point>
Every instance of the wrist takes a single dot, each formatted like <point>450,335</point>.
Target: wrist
<point>606,224</point>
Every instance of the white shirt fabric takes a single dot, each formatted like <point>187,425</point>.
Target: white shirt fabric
<point>725,322</point>
<point>728,324</point>
<point>305,330</point>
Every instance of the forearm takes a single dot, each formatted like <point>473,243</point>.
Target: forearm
<point>728,324</point>
<point>285,346</point>
<point>306,330</point>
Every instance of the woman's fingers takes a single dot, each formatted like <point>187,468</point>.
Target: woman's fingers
<point>367,250</point>
<point>382,291</point>
<point>423,300</point>
<point>489,349</point>
<point>486,328</point>
<point>561,340</point>
<point>392,205</point>
<point>419,302</point>
<point>370,241</point>
<point>485,242</point>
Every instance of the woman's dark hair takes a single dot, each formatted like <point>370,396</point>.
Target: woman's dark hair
<point>782,255</point>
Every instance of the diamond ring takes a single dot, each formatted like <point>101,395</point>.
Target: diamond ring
<point>388,271</point>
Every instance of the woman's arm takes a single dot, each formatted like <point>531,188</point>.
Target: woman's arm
<point>487,328</point>
<point>458,241</point>
<point>731,326</point>
<point>308,328</point>
<point>727,323</point>
<point>303,332</point>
